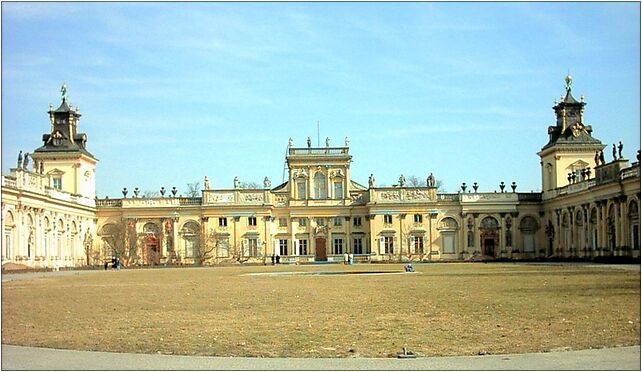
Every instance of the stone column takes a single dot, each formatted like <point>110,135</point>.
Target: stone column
<point>348,231</point>
<point>603,227</point>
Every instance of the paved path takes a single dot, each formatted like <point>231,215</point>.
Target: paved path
<point>29,358</point>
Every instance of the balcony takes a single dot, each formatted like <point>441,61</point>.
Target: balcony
<point>318,151</point>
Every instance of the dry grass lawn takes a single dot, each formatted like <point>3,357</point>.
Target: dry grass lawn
<point>444,309</point>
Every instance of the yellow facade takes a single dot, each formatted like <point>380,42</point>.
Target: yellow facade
<point>321,214</point>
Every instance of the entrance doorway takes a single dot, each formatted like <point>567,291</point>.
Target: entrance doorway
<point>320,250</point>
<point>151,252</point>
<point>488,246</point>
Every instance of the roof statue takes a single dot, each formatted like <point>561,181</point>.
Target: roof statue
<point>63,90</point>
<point>206,183</point>
<point>26,161</point>
<point>569,81</point>
<point>20,160</point>
<point>327,142</point>
<point>290,142</point>
<point>347,141</point>
<point>371,181</point>
<point>309,142</point>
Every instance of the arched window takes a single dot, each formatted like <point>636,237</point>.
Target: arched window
<point>46,238</point>
<point>593,228</point>
<point>528,226</point>
<point>74,239</point>
<point>191,239</point>
<point>634,224</point>
<point>320,189</point>
<point>448,230</point>
<point>60,230</point>
<point>31,237</point>
<point>9,239</point>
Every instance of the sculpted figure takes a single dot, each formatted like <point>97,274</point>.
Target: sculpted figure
<point>20,160</point>
<point>26,161</point>
<point>620,146</point>
<point>267,183</point>
<point>430,182</point>
<point>290,142</point>
<point>327,142</point>
<point>206,183</point>
<point>371,181</point>
<point>614,153</point>
<point>347,141</point>
<point>597,158</point>
<point>402,181</point>
<point>309,142</point>
<point>236,182</point>
<point>602,157</point>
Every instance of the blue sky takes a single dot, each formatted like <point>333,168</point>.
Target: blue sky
<point>171,92</point>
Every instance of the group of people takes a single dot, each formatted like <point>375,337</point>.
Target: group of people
<point>115,263</point>
<point>348,259</point>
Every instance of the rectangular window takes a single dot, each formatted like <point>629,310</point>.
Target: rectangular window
<point>337,221</point>
<point>320,222</point>
<point>418,218</point>
<point>300,189</point>
<point>418,243</point>
<point>357,246</point>
<point>529,242</point>
<point>251,221</point>
<point>337,246</point>
<point>222,221</point>
<point>338,190</point>
<point>57,183</point>
<point>303,247</point>
<point>223,247</point>
<point>356,221</point>
<point>303,222</point>
<point>388,244</point>
<point>387,219</point>
<point>252,247</point>
<point>283,222</point>
<point>190,245</point>
<point>449,243</point>
<point>283,247</point>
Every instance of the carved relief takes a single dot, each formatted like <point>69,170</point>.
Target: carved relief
<point>299,173</point>
<point>280,200</point>
<point>249,198</point>
<point>389,195</point>
<point>417,194</point>
<point>338,173</point>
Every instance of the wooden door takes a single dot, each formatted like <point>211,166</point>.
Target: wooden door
<point>320,253</point>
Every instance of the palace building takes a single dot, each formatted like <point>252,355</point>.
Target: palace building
<point>588,209</point>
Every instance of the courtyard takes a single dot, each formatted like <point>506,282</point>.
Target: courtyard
<point>440,310</point>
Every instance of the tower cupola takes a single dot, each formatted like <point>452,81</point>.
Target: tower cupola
<point>569,114</point>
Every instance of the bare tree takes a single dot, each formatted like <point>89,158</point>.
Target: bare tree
<point>151,194</point>
<point>207,247</point>
<point>193,189</point>
<point>237,253</point>
<point>414,181</point>
<point>121,237</point>
<point>439,185</point>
